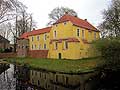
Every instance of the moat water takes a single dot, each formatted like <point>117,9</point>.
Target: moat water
<point>25,78</point>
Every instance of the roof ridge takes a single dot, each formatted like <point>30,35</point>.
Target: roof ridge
<point>35,32</point>
<point>76,21</point>
<point>43,28</point>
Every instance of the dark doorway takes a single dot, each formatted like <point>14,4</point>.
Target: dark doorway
<point>59,56</point>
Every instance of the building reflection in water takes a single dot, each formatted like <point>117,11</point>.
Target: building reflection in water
<point>24,78</point>
<point>31,79</point>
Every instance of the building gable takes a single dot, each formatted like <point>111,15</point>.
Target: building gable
<point>76,21</point>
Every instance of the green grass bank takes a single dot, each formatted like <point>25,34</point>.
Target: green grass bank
<point>67,66</point>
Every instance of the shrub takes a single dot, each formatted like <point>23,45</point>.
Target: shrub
<point>1,50</point>
<point>110,51</point>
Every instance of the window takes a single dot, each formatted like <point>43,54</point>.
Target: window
<point>35,47</point>
<point>82,34</point>
<point>36,73</point>
<point>94,35</point>
<point>66,45</point>
<point>45,36</point>
<point>39,47</point>
<point>18,46</point>
<point>38,38</point>
<point>40,75</point>
<point>32,72</point>
<point>32,47</point>
<point>45,76</point>
<point>45,46</point>
<point>80,53</point>
<point>55,88</point>
<point>23,47</point>
<point>56,25</point>
<point>32,81</point>
<point>38,82</point>
<point>55,34</point>
<point>32,38</point>
<point>78,32</point>
<point>56,78</point>
<point>66,80</point>
<point>65,23</point>
<point>90,34</point>
<point>56,46</point>
<point>26,46</point>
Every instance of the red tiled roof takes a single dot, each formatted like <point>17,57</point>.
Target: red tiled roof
<point>24,35</point>
<point>76,21</point>
<point>40,31</point>
<point>35,32</point>
<point>65,39</point>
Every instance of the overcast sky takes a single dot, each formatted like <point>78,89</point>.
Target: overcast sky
<point>86,9</point>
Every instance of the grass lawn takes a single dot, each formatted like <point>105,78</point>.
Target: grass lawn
<point>68,66</point>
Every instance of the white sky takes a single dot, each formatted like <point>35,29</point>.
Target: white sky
<point>86,9</point>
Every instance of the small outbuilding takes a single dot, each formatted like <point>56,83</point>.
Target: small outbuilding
<point>4,43</point>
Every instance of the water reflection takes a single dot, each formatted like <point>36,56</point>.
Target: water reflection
<point>24,78</point>
<point>7,80</point>
<point>30,79</point>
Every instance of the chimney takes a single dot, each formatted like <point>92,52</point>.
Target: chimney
<point>66,12</point>
<point>85,19</point>
<point>75,15</point>
<point>33,28</point>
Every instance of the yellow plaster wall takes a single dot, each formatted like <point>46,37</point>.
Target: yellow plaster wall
<point>76,50</point>
<point>40,42</point>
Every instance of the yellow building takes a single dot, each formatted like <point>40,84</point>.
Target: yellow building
<point>68,38</point>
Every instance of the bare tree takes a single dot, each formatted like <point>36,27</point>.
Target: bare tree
<point>20,21</point>
<point>8,9</point>
<point>25,23</point>
<point>5,30</point>
<point>111,24</point>
<point>59,12</point>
